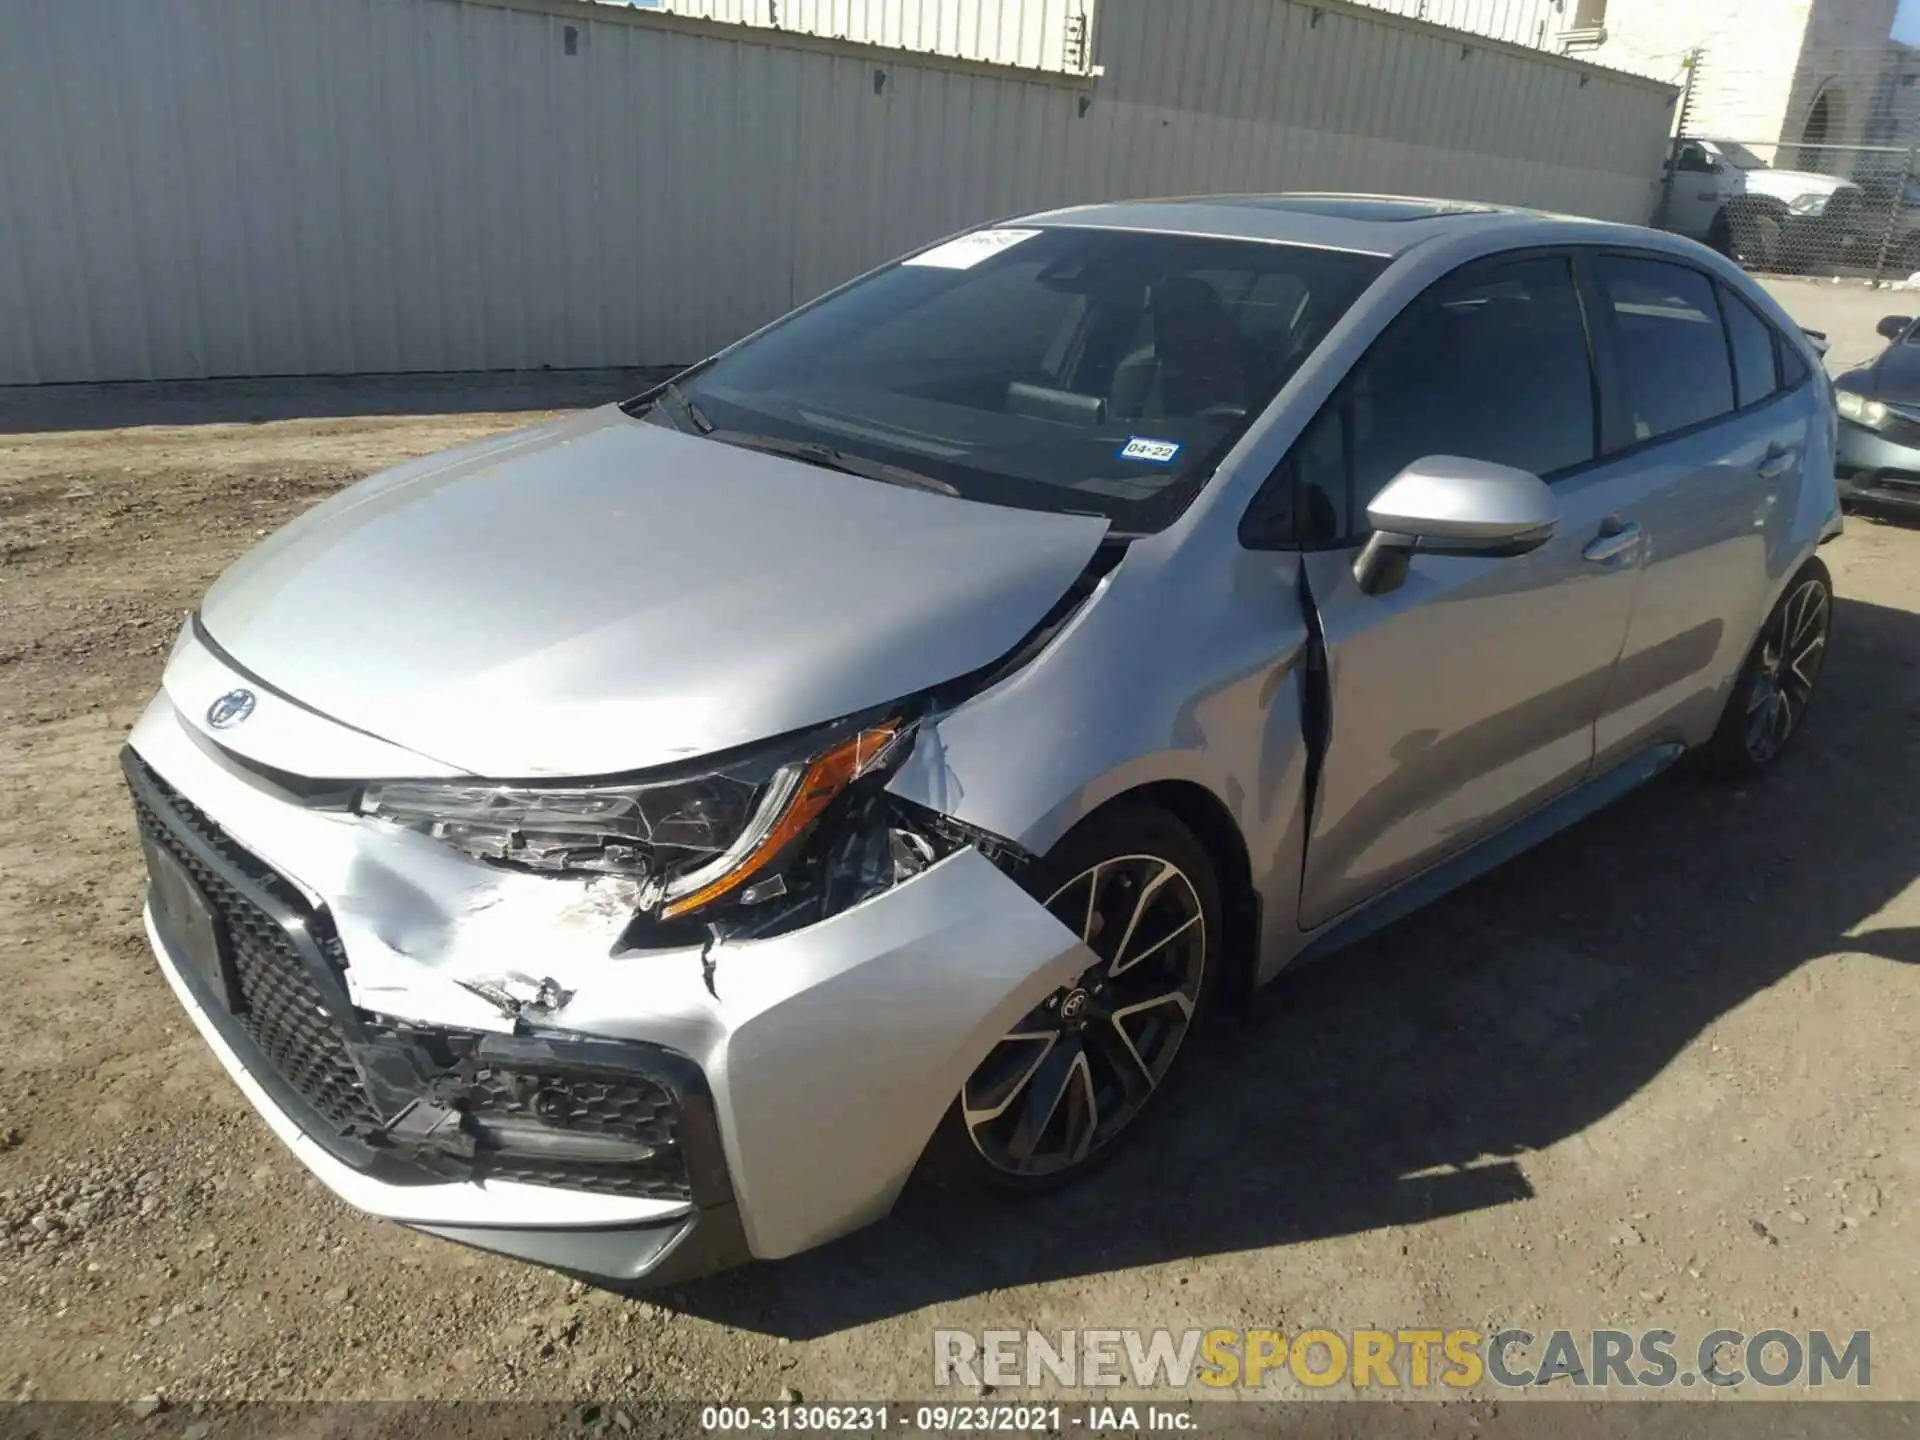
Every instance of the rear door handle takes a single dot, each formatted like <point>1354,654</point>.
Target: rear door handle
<point>1614,542</point>
<point>1780,459</point>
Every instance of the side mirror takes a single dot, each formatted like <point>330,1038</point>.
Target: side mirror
<point>1447,505</point>
<point>1894,326</point>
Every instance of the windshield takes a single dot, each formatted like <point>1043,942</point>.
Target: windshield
<point>1092,371</point>
<point>1739,156</point>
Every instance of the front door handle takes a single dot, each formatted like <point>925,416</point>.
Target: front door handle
<point>1614,542</point>
<point>1780,459</point>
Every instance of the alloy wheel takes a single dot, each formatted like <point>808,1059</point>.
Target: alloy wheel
<point>1080,1066</point>
<point>1791,654</point>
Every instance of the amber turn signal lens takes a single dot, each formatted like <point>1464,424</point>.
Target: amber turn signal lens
<point>825,778</point>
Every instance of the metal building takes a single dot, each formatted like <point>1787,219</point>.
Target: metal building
<point>279,187</point>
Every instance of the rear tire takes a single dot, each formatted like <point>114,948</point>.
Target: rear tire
<point>1777,682</point>
<point>1058,1094</point>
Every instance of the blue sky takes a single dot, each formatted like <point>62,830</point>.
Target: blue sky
<point>1907,27</point>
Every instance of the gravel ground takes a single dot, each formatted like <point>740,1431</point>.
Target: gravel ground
<point>1660,1071</point>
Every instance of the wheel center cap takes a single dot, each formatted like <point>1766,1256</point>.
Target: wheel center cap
<point>1073,1009</point>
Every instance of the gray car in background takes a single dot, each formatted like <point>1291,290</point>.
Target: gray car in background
<point>640,843</point>
<point>1879,404</point>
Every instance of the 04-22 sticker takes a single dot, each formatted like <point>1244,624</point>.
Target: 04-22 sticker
<point>1154,452</point>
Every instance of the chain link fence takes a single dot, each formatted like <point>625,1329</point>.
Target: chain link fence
<point>1851,211</point>
<point>1540,24</point>
<point>1054,35</point>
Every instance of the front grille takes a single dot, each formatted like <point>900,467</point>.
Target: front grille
<point>306,1037</point>
<point>1846,210</point>
<point>280,1007</point>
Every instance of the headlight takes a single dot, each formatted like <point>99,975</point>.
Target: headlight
<point>1809,204</point>
<point>690,841</point>
<point>1861,410</point>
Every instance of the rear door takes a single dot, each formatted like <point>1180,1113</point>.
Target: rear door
<point>1467,696</point>
<point>1716,441</point>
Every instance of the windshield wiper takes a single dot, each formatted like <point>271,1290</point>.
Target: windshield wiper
<point>677,397</point>
<point>812,452</point>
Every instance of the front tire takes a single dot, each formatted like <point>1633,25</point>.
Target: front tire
<point>1770,698</point>
<point>1060,1090</point>
<point>1751,240</point>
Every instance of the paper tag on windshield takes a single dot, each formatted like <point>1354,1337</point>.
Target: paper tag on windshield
<point>969,250</point>
<point>1157,452</point>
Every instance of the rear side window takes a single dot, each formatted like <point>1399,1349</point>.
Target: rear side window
<point>1793,370</point>
<point>1491,364</point>
<point>1674,367</point>
<point>1755,371</point>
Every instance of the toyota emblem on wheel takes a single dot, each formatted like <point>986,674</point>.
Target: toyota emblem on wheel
<point>230,709</point>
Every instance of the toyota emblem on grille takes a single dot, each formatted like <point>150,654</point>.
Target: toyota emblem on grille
<point>230,709</point>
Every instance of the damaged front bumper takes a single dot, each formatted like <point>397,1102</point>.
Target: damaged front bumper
<point>472,1051</point>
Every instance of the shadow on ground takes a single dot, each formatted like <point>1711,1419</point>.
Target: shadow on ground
<point>35,409</point>
<point>1409,1077</point>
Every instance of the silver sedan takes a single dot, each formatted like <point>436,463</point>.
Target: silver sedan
<point>640,843</point>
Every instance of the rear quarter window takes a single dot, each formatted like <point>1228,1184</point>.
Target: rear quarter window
<point>1756,368</point>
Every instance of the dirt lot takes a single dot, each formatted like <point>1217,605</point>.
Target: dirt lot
<point>1661,1071</point>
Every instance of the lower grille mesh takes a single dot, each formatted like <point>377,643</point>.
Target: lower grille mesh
<point>619,1107</point>
<point>280,1007</point>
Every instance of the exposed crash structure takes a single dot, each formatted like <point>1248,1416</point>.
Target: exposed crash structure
<point>421,1076</point>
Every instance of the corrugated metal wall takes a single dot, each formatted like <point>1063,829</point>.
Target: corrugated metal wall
<point>277,187</point>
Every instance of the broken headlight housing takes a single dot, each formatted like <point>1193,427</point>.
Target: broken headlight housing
<point>692,841</point>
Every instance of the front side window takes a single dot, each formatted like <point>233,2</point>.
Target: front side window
<point>1081,370</point>
<point>1693,160</point>
<point>1665,323</point>
<point>1491,364</point>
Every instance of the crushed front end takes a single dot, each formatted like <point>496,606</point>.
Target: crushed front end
<point>545,1065</point>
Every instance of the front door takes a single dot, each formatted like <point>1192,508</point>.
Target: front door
<point>1468,695</point>
<point>1694,191</point>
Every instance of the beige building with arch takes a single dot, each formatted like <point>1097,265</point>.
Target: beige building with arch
<point>1787,71</point>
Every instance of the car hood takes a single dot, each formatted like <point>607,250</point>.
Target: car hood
<point>1895,376</point>
<point>601,595</point>
<point>1791,184</point>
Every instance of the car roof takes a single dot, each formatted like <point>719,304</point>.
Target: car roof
<point>1369,224</point>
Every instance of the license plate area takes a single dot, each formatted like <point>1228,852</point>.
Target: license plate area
<point>193,934</point>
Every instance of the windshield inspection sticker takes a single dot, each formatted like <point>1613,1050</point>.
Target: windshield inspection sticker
<point>969,250</point>
<point>1157,452</point>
